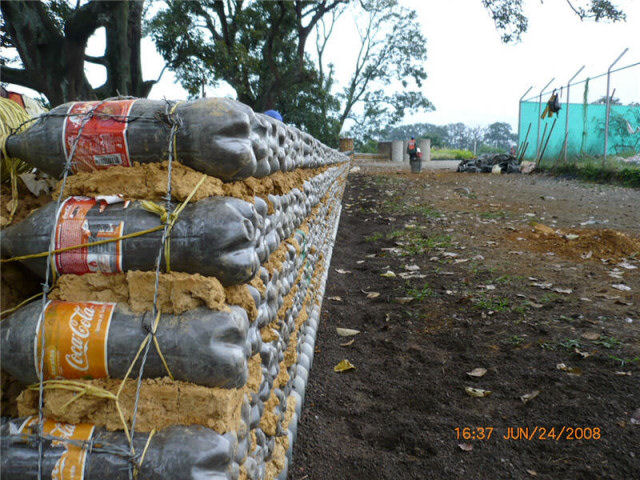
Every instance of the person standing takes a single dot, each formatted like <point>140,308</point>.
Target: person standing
<point>412,149</point>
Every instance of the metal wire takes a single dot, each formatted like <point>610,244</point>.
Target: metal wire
<point>92,113</point>
<point>128,454</point>
<point>535,97</point>
<point>46,286</point>
<point>175,124</point>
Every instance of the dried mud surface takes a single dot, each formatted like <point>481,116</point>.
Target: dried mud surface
<point>496,294</point>
<point>149,181</point>
<point>163,402</point>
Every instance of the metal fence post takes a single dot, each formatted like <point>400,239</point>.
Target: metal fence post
<point>566,124</point>
<point>520,113</point>
<point>540,113</point>
<point>606,121</point>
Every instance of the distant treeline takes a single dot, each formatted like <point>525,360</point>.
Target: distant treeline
<point>496,137</point>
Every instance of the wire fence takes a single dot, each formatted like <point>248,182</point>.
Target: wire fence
<point>592,125</point>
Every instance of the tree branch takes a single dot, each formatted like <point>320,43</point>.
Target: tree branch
<point>17,76</point>
<point>207,19</point>
<point>577,12</point>
<point>86,20</point>
<point>99,60</point>
<point>219,7</point>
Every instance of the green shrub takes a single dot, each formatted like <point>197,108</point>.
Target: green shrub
<point>593,171</point>
<point>451,154</point>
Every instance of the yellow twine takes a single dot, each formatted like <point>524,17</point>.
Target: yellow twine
<point>170,219</point>
<point>84,389</point>
<point>13,119</point>
<point>144,452</point>
<point>20,305</point>
<point>147,205</point>
<point>82,245</point>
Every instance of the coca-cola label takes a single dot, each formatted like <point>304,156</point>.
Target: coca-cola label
<point>75,340</point>
<point>70,464</point>
<point>74,228</point>
<point>103,141</point>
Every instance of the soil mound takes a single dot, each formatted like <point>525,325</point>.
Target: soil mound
<point>579,244</point>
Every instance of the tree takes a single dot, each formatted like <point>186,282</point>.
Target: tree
<point>499,135</point>
<point>476,136</point>
<point>612,101</point>
<point>511,21</point>
<point>437,133</point>
<point>392,50</point>
<point>51,37</point>
<point>459,135</point>
<point>259,48</point>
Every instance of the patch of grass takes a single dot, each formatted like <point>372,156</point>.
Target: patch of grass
<point>515,340</point>
<point>570,344</point>
<point>382,180</point>
<point>608,342</point>
<point>450,154</point>
<point>393,206</point>
<point>420,294</point>
<point>548,345</point>
<point>495,304</point>
<point>507,279</point>
<point>417,244</point>
<point>478,268</point>
<point>591,170</point>
<point>500,214</point>
<point>428,211</point>
<point>395,234</point>
<point>374,237</point>
<point>549,297</point>
<point>624,361</point>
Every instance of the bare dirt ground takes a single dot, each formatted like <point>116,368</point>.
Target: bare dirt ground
<point>533,279</point>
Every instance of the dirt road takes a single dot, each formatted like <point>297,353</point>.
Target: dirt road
<point>533,281</point>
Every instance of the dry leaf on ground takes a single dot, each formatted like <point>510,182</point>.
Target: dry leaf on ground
<point>477,372</point>
<point>344,366</point>
<point>529,396</point>
<point>477,392</point>
<point>570,370</point>
<point>591,335</point>
<point>347,332</point>
<point>404,300</point>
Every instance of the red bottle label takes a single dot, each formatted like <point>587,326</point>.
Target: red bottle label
<point>103,142</point>
<point>74,228</point>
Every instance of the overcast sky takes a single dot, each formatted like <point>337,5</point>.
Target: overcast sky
<point>473,77</point>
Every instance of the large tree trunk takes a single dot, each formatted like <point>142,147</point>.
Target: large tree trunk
<point>54,60</point>
<point>53,64</point>
<point>138,87</point>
